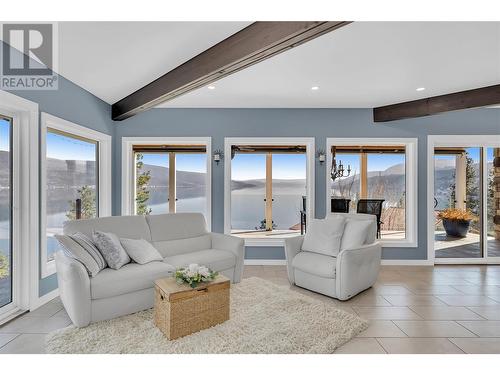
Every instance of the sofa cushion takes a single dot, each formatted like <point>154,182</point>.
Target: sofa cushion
<point>123,226</point>
<point>186,245</point>
<point>167,227</point>
<point>130,278</point>
<point>216,260</point>
<point>315,264</point>
<point>355,234</point>
<point>323,236</point>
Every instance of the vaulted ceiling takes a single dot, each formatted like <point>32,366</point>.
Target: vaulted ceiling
<point>364,64</point>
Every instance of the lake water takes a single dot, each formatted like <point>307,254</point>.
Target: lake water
<point>247,210</point>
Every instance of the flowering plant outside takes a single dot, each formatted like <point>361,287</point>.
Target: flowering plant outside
<point>457,214</point>
<point>194,274</point>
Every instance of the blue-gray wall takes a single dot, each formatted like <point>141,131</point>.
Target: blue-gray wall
<point>75,104</point>
<point>318,123</point>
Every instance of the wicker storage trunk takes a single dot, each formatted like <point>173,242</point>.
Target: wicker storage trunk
<point>180,310</point>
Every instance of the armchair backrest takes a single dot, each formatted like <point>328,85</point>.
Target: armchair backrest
<point>372,233</point>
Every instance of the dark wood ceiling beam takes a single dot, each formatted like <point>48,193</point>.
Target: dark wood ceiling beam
<point>480,97</point>
<point>253,44</point>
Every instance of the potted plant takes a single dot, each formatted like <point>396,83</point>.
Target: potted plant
<point>456,222</point>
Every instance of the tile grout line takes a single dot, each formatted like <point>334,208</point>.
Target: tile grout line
<point>12,339</point>
<point>459,348</point>
<point>382,346</point>
<point>398,327</point>
<point>461,325</point>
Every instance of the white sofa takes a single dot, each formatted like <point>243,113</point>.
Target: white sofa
<point>181,239</point>
<point>341,277</point>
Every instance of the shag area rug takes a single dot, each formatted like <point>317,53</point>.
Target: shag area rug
<point>264,318</point>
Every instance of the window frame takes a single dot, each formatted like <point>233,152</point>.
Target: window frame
<point>24,114</point>
<point>128,168</point>
<point>411,181</point>
<point>455,140</point>
<point>104,157</point>
<point>309,142</point>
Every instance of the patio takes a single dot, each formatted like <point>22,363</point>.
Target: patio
<point>467,247</point>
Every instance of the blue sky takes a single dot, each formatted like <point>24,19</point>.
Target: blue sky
<point>376,162</point>
<point>473,153</point>
<point>4,134</point>
<point>66,148</point>
<point>184,162</point>
<point>253,166</point>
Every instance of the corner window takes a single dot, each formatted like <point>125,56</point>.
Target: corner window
<point>71,183</point>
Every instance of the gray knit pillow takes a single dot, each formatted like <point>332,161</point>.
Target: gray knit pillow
<point>111,249</point>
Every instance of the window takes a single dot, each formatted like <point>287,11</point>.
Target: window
<point>166,174</point>
<point>268,190</point>
<point>383,170</point>
<point>6,249</point>
<point>71,180</point>
<point>170,179</point>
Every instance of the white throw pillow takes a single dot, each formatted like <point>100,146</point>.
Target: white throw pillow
<point>355,233</point>
<point>141,251</point>
<point>323,236</point>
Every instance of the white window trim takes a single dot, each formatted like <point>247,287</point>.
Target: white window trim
<point>25,200</point>
<point>279,141</point>
<point>454,141</point>
<point>128,162</point>
<point>411,170</point>
<point>104,169</point>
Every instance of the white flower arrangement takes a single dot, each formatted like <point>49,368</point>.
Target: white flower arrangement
<point>194,274</point>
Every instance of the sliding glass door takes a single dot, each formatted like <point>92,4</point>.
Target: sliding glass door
<point>466,203</point>
<point>6,248</point>
<point>493,202</point>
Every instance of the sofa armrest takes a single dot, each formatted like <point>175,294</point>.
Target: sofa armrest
<point>292,248</point>
<point>235,245</point>
<point>357,270</point>
<point>74,289</point>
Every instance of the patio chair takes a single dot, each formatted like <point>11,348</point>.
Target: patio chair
<point>340,205</point>
<point>372,207</point>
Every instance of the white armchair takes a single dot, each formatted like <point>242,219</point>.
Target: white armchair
<point>345,275</point>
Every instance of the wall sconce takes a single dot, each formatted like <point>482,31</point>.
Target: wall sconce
<point>218,156</point>
<point>321,156</point>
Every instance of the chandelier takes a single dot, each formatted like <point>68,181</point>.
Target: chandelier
<point>338,170</point>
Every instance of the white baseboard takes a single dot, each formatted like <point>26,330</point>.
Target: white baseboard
<point>385,262</point>
<point>44,299</point>
<point>265,262</point>
<point>407,262</point>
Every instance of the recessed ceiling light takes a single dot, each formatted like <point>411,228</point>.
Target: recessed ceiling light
<point>314,88</point>
<point>420,88</point>
<point>211,87</point>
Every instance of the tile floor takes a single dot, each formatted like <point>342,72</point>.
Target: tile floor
<point>442,309</point>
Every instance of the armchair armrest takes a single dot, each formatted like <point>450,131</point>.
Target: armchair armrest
<point>292,248</point>
<point>235,245</point>
<point>74,289</point>
<point>357,269</point>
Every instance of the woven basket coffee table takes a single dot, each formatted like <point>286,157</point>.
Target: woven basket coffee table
<point>180,310</point>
